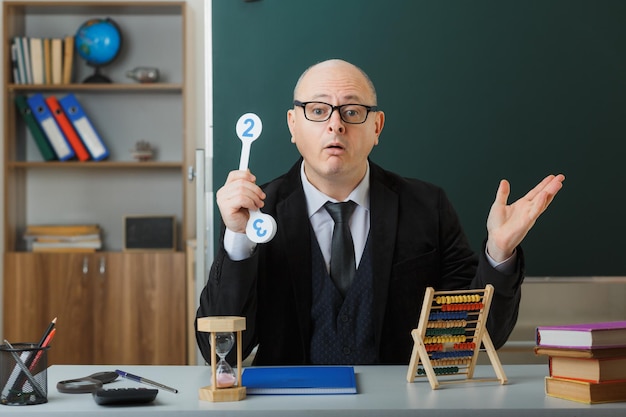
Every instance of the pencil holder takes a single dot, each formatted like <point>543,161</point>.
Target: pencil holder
<point>23,374</point>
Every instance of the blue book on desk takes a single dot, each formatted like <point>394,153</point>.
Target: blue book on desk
<point>299,380</point>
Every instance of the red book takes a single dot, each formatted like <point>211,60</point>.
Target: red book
<point>586,335</point>
<point>68,130</point>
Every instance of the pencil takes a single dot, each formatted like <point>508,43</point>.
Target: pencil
<point>47,332</point>
<point>33,365</point>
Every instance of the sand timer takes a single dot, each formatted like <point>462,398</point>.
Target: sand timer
<point>225,382</point>
<point>224,342</point>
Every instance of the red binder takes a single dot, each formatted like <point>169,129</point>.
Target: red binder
<point>67,128</point>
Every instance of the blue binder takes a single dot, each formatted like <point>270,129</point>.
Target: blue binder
<point>42,113</point>
<point>47,152</point>
<point>83,126</point>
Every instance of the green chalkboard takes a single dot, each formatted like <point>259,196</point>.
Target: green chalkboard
<point>473,91</point>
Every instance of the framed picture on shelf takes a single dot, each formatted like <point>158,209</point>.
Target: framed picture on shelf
<point>142,233</point>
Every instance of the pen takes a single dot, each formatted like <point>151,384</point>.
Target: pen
<point>145,381</point>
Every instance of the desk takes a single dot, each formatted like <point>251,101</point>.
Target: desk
<point>383,391</point>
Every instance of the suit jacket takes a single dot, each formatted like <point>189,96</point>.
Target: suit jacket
<point>416,240</point>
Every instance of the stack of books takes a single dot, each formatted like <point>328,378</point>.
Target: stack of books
<point>63,238</point>
<point>587,362</point>
<point>37,60</point>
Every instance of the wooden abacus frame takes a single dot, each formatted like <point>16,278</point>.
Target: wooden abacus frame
<point>443,343</point>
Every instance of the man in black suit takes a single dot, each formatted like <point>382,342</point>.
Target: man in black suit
<point>405,233</point>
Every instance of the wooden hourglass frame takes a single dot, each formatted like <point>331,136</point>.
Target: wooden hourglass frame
<point>447,340</point>
<point>223,324</point>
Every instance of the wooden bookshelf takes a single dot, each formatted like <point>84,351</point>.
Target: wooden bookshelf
<point>37,285</point>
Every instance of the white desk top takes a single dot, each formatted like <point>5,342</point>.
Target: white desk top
<point>383,391</point>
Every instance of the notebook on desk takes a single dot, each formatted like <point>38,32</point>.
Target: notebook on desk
<point>299,380</point>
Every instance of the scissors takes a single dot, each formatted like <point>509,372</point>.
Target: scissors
<point>86,384</point>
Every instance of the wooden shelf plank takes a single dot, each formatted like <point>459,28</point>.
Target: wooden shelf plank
<point>115,87</point>
<point>95,164</point>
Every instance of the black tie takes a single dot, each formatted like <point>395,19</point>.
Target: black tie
<point>342,264</point>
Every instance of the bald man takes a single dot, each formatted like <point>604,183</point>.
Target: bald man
<point>404,236</point>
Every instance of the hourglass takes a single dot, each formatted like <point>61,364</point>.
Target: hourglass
<point>225,383</point>
<point>225,376</point>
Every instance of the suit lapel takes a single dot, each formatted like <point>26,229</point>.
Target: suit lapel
<point>294,232</point>
<point>383,226</point>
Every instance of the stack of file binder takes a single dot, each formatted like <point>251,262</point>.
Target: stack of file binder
<point>61,129</point>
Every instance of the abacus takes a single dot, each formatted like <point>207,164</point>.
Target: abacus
<point>448,337</point>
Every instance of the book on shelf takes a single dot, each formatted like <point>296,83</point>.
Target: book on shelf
<point>299,380</point>
<point>56,51</point>
<point>61,229</point>
<point>87,245</point>
<point>42,113</point>
<point>60,238</point>
<point>583,335</point>
<point>68,59</point>
<point>67,128</point>
<point>585,392</point>
<point>588,369</point>
<point>52,237</point>
<point>21,64</point>
<point>15,70</point>
<point>36,60</point>
<point>27,66</point>
<point>47,60</point>
<point>65,250</point>
<point>47,153</point>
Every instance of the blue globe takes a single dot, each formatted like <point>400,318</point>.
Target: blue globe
<point>98,41</point>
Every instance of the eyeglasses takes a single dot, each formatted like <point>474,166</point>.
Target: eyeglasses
<point>318,111</point>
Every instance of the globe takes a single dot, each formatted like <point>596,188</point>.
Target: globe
<point>98,41</point>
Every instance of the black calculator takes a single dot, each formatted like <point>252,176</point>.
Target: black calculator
<point>124,396</point>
